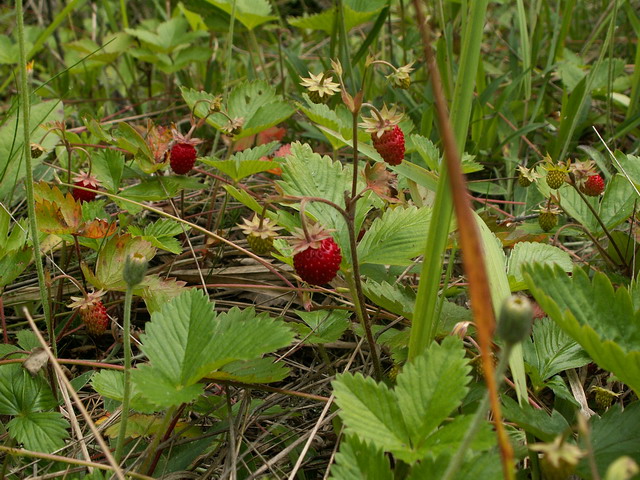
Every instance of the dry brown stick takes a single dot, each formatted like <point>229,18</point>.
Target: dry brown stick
<point>103,445</point>
<point>470,241</point>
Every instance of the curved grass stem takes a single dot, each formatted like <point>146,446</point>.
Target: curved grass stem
<point>33,221</point>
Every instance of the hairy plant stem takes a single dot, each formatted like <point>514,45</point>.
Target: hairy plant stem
<point>31,206</point>
<point>126,395</point>
<point>355,282</point>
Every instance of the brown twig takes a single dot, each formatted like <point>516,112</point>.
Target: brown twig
<point>470,241</point>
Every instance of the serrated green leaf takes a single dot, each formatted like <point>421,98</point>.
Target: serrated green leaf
<point>130,139</point>
<point>485,466</point>
<point>257,370</point>
<point>12,264</point>
<point>357,460</point>
<point>160,234</point>
<point>307,174</point>
<point>430,388</point>
<point>551,351</point>
<point>237,170</point>
<point>395,238</point>
<point>398,298</point>
<point>399,421</point>
<point>529,252</point>
<point>448,438</point>
<point>21,394</point>
<point>250,13</point>
<point>613,435</point>
<point>370,411</point>
<point>537,422</point>
<point>254,102</point>
<point>107,165</point>
<point>185,341</point>
<point>40,431</point>
<point>427,150</point>
<point>168,36</point>
<point>109,383</point>
<point>27,340</point>
<point>590,312</point>
<point>322,326</point>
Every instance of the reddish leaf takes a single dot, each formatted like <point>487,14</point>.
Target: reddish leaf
<point>383,182</point>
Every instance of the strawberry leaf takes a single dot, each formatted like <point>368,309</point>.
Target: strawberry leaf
<point>529,252</point>
<point>40,431</point>
<point>590,312</point>
<point>395,238</point>
<point>400,421</point>
<point>322,326</point>
<point>551,351</point>
<point>358,459</point>
<point>185,341</point>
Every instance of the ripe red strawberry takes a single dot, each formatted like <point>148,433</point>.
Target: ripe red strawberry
<point>593,186</point>
<point>182,157</point>
<point>390,145</point>
<point>386,135</point>
<point>316,257</point>
<point>85,180</point>
<point>92,312</point>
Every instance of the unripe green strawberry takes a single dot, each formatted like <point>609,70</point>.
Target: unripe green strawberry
<point>559,458</point>
<point>260,234</point>
<point>259,245</point>
<point>547,220</point>
<point>604,397</point>
<point>523,181</point>
<point>556,177</point>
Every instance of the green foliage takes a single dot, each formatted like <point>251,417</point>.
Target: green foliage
<point>11,143</point>
<point>613,435</point>
<point>356,12</point>
<point>307,174</point>
<point>590,312</point>
<point>15,255</point>
<point>169,46</point>
<point>395,238</point>
<point>322,326</point>
<point>528,252</point>
<point>185,341</point>
<point>256,103</point>
<point>250,13</point>
<point>357,459</point>
<point>408,421</point>
<point>25,398</point>
<point>551,351</point>
<point>246,162</point>
<point>160,234</point>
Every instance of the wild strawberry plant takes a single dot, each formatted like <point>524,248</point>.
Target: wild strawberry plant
<point>240,217</point>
